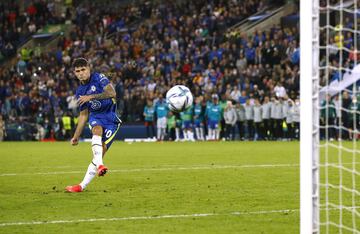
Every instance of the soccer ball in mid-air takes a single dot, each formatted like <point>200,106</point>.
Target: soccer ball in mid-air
<point>179,98</point>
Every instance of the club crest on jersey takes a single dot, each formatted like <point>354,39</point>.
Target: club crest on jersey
<point>93,88</point>
<point>95,104</point>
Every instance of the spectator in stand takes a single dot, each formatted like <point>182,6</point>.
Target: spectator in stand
<point>241,62</point>
<point>72,103</point>
<point>279,90</point>
<point>243,97</point>
<point>250,53</point>
<point>235,93</point>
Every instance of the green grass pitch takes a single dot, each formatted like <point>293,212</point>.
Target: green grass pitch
<point>203,187</point>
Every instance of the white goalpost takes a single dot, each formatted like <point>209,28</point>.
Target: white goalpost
<point>330,114</point>
<point>309,173</point>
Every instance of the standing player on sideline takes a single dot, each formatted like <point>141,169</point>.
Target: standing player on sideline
<point>214,115</point>
<point>199,119</point>
<point>161,111</point>
<point>96,99</point>
<point>187,118</point>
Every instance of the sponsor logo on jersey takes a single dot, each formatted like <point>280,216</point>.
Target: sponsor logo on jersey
<point>95,104</point>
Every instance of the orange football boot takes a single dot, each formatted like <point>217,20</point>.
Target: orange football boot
<point>102,170</point>
<point>74,188</point>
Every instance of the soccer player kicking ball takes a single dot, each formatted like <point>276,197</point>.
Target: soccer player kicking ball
<point>95,96</point>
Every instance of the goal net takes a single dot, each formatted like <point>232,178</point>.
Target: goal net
<point>330,159</point>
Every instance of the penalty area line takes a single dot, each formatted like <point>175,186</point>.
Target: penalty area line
<point>169,216</point>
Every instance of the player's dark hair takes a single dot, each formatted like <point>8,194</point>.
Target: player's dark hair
<point>80,62</point>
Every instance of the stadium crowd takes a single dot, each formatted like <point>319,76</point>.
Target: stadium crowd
<point>253,80</point>
<point>17,27</point>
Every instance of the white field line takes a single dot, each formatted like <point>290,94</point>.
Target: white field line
<point>296,166</point>
<point>174,165</point>
<point>170,216</point>
<point>160,169</point>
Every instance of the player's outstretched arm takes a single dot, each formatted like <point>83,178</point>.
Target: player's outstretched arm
<point>109,92</point>
<point>83,117</point>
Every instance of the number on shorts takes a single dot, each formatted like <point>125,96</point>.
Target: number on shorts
<point>108,133</point>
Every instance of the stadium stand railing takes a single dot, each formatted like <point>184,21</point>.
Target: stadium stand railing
<point>262,20</point>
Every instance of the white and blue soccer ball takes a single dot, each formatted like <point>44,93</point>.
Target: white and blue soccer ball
<point>179,98</point>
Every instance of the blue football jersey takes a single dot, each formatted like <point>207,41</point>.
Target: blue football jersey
<point>102,111</point>
<point>214,112</point>
<point>198,112</point>
<point>161,109</point>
